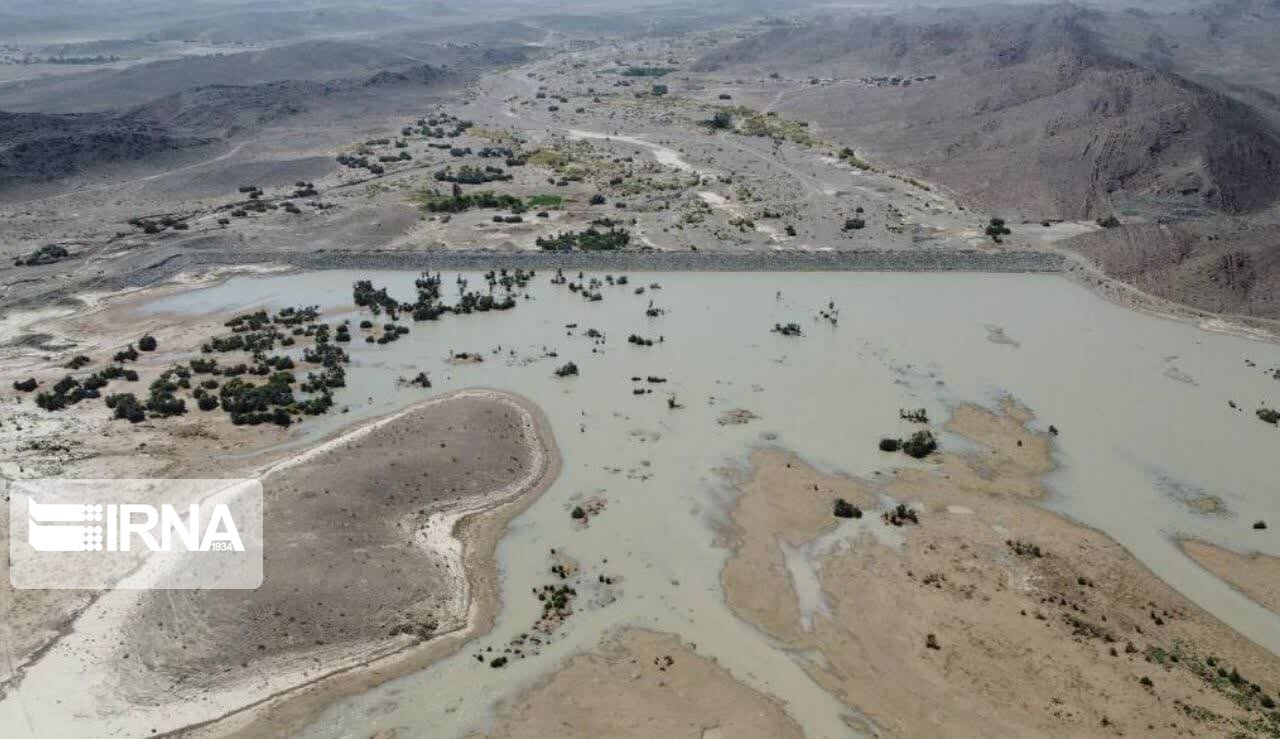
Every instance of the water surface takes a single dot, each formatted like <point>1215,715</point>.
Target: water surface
<point>1141,402</point>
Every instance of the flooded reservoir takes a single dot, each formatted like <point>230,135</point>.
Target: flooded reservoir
<point>1118,385</point>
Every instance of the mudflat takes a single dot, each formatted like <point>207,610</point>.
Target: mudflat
<point>985,612</point>
<point>644,684</point>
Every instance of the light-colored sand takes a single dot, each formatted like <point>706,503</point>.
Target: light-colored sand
<point>644,684</point>
<point>1255,575</point>
<point>1025,642</point>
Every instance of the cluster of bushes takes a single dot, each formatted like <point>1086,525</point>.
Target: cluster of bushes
<point>250,341</point>
<point>366,295</point>
<point>997,229</point>
<point>900,515</point>
<point>639,340</point>
<point>126,407</point>
<point>252,404</point>
<point>47,254</point>
<point>789,329</point>
<point>434,128</point>
<point>390,332</point>
<point>161,402</point>
<point>1024,548</point>
<point>721,120</point>
<point>850,157</point>
<point>253,206</point>
<point>645,71</point>
<point>156,225</point>
<point>429,307</point>
<point>589,240</point>
<point>162,399</point>
<point>69,390</point>
<point>247,402</point>
<point>457,202</point>
<point>468,175</point>
<point>920,445</point>
<point>475,302</point>
<point>355,161</point>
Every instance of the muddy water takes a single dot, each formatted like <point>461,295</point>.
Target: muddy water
<point>1141,404</point>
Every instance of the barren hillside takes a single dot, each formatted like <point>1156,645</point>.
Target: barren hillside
<point>113,89</point>
<point>1026,112</point>
<point>1220,266</point>
<point>36,147</point>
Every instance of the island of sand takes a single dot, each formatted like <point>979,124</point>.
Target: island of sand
<point>1255,575</point>
<point>981,612</point>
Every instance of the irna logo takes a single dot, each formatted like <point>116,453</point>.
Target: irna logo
<point>137,534</point>
<point>93,527</point>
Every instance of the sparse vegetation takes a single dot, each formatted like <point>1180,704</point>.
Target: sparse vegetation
<point>920,445</point>
<point>997,230</point>
<point>589,240</point>
<point>645,71</point>
<point>47,254</point>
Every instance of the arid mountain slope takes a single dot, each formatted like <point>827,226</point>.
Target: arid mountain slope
<point>1224,266</point>
<point>1022,111</point>
<point>227,108</point>
<point>35,147</point>
<point>124,88</point>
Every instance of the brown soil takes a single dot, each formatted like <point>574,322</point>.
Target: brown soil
<point>344,564</point>
<point>644,684</point>
<point>479,532</point>
<point>1050,645</point>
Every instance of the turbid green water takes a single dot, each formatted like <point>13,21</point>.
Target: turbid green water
<point>1142,405</point>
